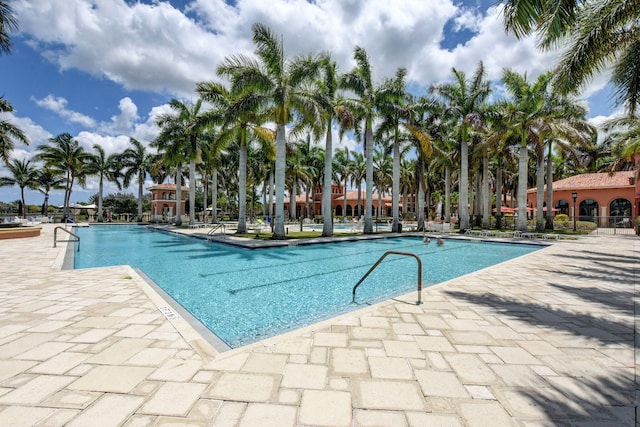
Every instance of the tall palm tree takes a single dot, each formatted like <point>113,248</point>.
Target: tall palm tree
<point>333,110</point>
<point>382,175</point>
<point>23,174</point>
<point>8,131</point>
<point>64,155</point>
<point>135,162</point>
<point>46,180</point>
<point>276,82</point>
<point>464,100</point>
<point>600,34</point>
<point>535,115</point>
<point>393,112</point>
<point>184,128</point>
<point>8,23</point>
<point>365,104</point>
<point>240,122</point>
<point>105,167</point>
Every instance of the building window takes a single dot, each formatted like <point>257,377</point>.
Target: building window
<point>588,210</point>
<point>620,207</point>
<point>562,207</point>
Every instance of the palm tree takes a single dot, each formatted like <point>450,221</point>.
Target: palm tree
<point>240,120</point>
<point>333,109</point>
<point>534,116</point>
<point>382,175</point>
<point>65,156</point>
<point>464,102</point>
<point>365,107</point>
<point>8,23</point>
<point>393,111</point>
<point>8,131</point>
<point>602,34</point>
<point>276,82</point>
<point>105,167</point>
<point>46,180</point>
<point>625,141</point>
<point>23,174</point>
<point>184,129</point>
<point>135,163</point>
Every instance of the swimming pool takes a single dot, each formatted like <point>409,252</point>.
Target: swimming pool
<point>247,295</point>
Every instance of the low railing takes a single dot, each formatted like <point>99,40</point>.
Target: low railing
<point>55,236</point>
<point>215,228</point>
<point>380,260</point>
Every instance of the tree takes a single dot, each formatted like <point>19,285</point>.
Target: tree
<point>333,109</point>
<point>601,34</point>
<point>365,107</point>
<point>183,129</point>
<point>8,23</point>
<point>105,167</point>
<point>65,156</point>
<point>46,180</point>
<point>8,131</point>
<point>464,102</point>
<point>135,163</point>
<point>23,174</point>
<point>276,82</point>
<point>240,120</point>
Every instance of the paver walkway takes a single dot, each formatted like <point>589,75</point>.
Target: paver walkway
<point>546,339</point>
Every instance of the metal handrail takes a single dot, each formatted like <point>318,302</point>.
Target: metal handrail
<point>55,236</point>
<point>380,260</point>
<point>217,227</point>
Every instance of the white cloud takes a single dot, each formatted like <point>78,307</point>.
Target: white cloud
<point>59,106</point>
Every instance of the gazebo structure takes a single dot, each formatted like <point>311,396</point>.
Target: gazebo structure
<point>597,197</point>
<point>163,201</point>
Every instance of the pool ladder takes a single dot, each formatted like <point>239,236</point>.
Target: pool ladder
<point>215,228</point>
<point>55,236</point>
<point>417,258</point>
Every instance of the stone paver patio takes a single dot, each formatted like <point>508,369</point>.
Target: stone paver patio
<point>545,339</point>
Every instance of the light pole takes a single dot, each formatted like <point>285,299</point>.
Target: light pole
<point>575,196</point>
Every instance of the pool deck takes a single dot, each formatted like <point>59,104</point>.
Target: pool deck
<point>546,339</point>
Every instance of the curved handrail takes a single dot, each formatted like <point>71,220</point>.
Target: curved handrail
<point>55,236</point>
<point>217,227</point>
<point>380,260</point>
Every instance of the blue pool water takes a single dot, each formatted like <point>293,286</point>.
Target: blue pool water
<point>246,295</point>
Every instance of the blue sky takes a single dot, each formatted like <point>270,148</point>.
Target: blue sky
<point>102,70</point>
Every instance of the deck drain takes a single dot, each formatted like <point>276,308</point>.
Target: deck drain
<point>167,312</point>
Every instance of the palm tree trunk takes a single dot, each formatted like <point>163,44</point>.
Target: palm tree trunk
<point>549,223</point>
<point>395,192</point>
<point>499,195</point>
<point>192,191</point>
<point>278,229</point>
<point>242,190</point>
<point>292,200</point>
<point>205,184</point>
<point>486,208</point>
<point>368,148</point>
<point>178,221</point>
<point>344,190</point>
<point>540,172</point>
<point>214,196</point>
<point>327,211</point>
<point>523,164</point>
<point>271,193</point>
<point>463,191</point>
<point>447,194</point>
<point>140,195</point>
<point>100,190</point>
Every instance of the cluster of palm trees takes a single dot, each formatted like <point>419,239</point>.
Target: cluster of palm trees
<point>260,130</point>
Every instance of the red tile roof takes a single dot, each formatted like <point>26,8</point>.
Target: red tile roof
<point>595,180</point>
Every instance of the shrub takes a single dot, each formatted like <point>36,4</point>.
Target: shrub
<point>561,218</point>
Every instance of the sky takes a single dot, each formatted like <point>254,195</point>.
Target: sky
<point>103,70</point>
